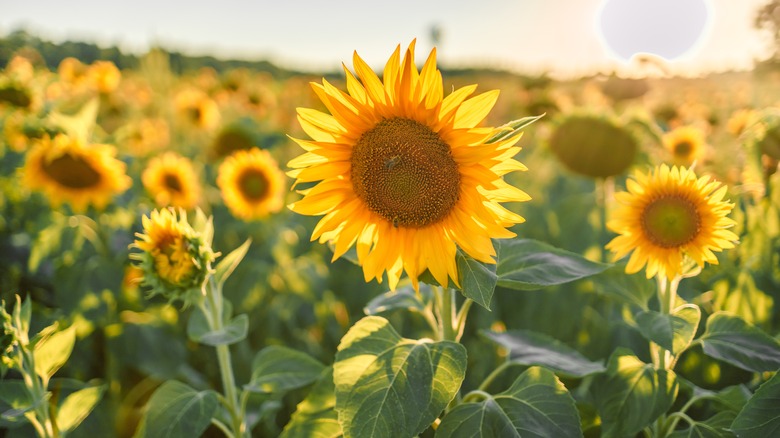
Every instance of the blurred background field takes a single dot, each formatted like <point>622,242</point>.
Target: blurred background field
<point>73,262</point>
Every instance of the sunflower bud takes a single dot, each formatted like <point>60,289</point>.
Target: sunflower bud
<point>176,257</point>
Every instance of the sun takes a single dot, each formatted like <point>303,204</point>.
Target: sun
<point>668,215</point>
<point>69,171</point>
<point>404,174</point>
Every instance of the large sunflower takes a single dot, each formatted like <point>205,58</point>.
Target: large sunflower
<point>685,144</point>
<point>251,183</point>
<point>67,170</point>
<point>172,181</point>
<point>404,173</point>
<point>667,215</point>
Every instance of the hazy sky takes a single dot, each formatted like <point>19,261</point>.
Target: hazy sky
<point>559,36</point>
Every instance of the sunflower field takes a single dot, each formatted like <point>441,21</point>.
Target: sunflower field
<point>397,253</point>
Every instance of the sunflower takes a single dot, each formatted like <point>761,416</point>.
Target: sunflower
<point>740,120</point>
<point>172,181</point>
<point>197,108</point>
<point>72,71</point>
<point>686,144</point>
<point>67,170</point>
<point>176,257</point>
<point>404,173</point>
<point>669,215</point>
<point>104,76</point>
<point>251,183</point>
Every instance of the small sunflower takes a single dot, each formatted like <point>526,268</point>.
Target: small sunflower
<point>176,257</point>
<point>667,215</point>
<point>72,71</point>
<point>104,76</point>
<point>740,120</point>
<point>685,144</point>
<point>197,108</point>
<point>67,170</point>
<point>146,136</point>
<point>172,181</point>
<point>404,173</point>
<point>251,183</point>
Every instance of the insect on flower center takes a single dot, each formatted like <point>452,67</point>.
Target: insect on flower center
<point>253,184</point>
<point>405,173</point>
<point>671,221</point>
<point>72,172</point>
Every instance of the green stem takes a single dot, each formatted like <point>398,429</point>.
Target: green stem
<point>215,304</point>
<point>476,395</point>
<point>446,310</point>
<point>38,394</point>
<point>460,320</point>
<point>492,376</point>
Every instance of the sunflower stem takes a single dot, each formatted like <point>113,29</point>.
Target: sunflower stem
<point>447,331</point>
<point>215,303</point>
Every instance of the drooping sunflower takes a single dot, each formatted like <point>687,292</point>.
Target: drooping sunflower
<point>176,256</point>
<point>172,181</point>
<point>404,173</point>
<point>685,144</point>
<point>667,215</point>
<point>69,171</point>
<point>251,183</point>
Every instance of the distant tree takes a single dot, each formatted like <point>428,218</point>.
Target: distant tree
<point>768,19</point>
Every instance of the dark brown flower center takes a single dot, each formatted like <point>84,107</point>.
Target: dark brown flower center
<point>405,173</point>
<point>683,149</point>
<point>253,184</point>
<point>172,182</point>
<point>72,172</point>
<point>671,221</point>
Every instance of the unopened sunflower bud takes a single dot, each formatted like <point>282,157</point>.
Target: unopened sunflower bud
<point>176,258</point>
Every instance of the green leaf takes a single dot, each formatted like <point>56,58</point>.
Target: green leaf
<point>761,415</point>
<point>389,386</point>
<point>633,289</point>
<point>77,406</point>
<point>22,314</point>
<point>52,351</point>
<point>278,369</point>
<point>731,339</point>
<point>513,128</point>
<point>234,331</point>
<point>531,348</point>
<point>79,125</point>
<point>716,426</point>
<point>403,298</point>
<point>673,332</point>
<point>15,401</point>
<point>315,416</point>
<point>176,410</point>
<point>537,405</point>
<point>477,280</point>
<point>632,394</point>
<point>227,265</point>
<point>526,264</point>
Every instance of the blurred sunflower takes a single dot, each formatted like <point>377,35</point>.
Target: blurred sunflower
<point>404,173</point>
<point>104,76</point>
<point>685,144</point>
<point>72,71</point>
<point>16,94</point>
<point>67,170</point>
<point>146,136</point>
<point>740,120</point>
<point>251,183</point>
<point>172,181</point>
<point>667,215</point>
<point>197,108</point>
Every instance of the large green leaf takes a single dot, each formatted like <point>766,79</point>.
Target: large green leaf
<point>176,410</point>
<point>315,416</point>
<point>716,426</point>
<point>402,298</point>
<point>632,394</point>
<point>477,279</point>
<point>526,264</point>
<point>673,332</point>
<point>77,406</point>
<point>531,348</point>
<point>731,339</point>
<point>537,405</point>
<point>234,331</point>
<point>52,350</point>
<point>389,386</point>
<point>633,289</point>
<point>278,369</point>
<point>761,415</point>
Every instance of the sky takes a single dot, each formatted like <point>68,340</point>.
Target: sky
<point>564,38</point>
